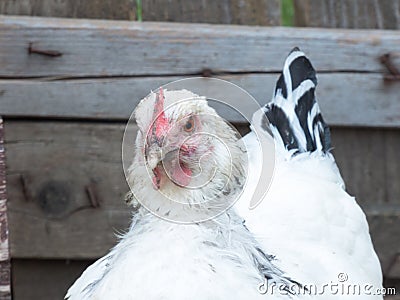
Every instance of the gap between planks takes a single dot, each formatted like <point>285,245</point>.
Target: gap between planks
<point>211,73</point>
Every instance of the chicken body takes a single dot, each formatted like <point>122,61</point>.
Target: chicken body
<point>306,235</point>
<point>207,253</point>
<point>317,231</point>
<point>158,259</point>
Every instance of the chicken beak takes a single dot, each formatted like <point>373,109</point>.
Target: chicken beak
<point>154,156</point>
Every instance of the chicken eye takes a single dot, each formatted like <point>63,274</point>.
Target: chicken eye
<point>189,126</point>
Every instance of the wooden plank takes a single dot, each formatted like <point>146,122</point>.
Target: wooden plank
<point>360,155</point>
<point>394,268</point>
<point>385,231</point>
<point>118,48</point>
<point>50,166</point>
<point>87,99</point>
<point>253,12</point>
<point>5,269</point>
<point>105,9</point>
<point>369,164</point>
<point>392,147</point>
<point>378,14</point>
<point>44,279</point>
<point>340,95</point>
<point>61,158</point>
<point>264,12</point>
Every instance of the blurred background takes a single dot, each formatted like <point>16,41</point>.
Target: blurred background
<point>68,86</point>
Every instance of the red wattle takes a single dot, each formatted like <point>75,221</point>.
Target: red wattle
<point>181,175</point>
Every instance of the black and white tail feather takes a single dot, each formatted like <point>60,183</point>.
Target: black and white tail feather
<point>295,119</point>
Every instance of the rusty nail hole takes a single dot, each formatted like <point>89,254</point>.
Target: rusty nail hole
<point>92,195</point>
<point>206,72</point>
<point>386,60</point>
<point>51,53</point>
<point>25,189</point>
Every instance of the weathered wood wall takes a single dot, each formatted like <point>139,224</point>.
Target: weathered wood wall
<point>107,9</point>
<point>253,12</point>
<point>377,14</point>
<point>64,119</point>
<point>108,60</point>
<point>45,279</point>
<point>51,215</point>
<point>49,208</point>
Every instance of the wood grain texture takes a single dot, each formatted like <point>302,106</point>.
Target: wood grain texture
<point>50,214</point>
<point>385,230</point>
<point>254,12</point>
<point>44,279</point>
<point>394,268</point>
<point>93,9</point>
<point>117,48</point>
<point>5,269</point>
<point>51,217</point>
<point>369,164</point>
<point>378,14</point>
<point>340,96</point>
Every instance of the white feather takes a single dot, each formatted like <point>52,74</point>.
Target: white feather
<point>315,229</point>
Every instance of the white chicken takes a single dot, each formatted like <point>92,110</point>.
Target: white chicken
<point>316,230</point>
<point>212,255</point>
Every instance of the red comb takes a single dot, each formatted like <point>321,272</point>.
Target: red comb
<point>159,104</point>
<point>160,121</point>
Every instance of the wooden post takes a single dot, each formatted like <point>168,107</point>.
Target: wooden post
<point>5,286</point>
